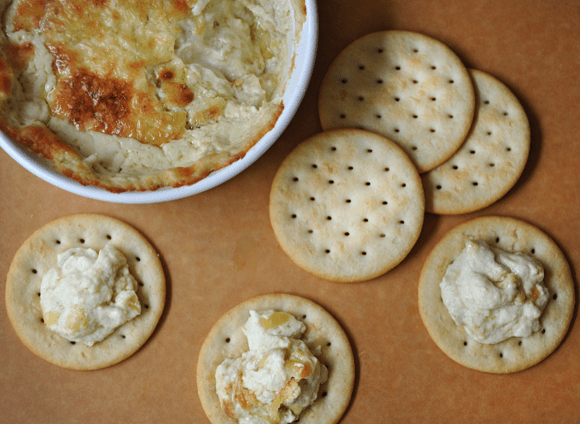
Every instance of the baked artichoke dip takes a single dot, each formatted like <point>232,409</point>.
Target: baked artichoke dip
<point>88,295</point>
<point>494,294</point>
<point>137,95</point>
<point>276,379</point>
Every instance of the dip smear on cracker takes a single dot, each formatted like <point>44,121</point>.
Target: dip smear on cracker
<point>132,95</point>
<point>87,295</point>
<point>277,378</point>
<point>494,294</point>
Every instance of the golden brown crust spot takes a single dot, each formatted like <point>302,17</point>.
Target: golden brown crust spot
<point>5,79</point>
<point>210,114</point>
<point>94,103</point>
<point>62,58</point>
<point>18,55</point>
<point>114,106</point>
<point>29,13</point>
<point>14,57</point>
<point>40,140</point>
<point>177,94</point>
<point>166,75</point>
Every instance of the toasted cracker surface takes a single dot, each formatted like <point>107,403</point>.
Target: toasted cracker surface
<point>406,86</point>
<point>516,353</point>
<point>491,159</point>
<point>347,205</point>
<point>39,253</point>
<point>226,340</point>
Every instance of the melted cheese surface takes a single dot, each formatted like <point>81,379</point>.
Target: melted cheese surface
<point>139,87</point>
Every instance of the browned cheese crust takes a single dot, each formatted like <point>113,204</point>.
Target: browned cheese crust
<point>118,95</point>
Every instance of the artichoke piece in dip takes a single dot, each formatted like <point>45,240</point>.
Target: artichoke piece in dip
<point>87,295</point>
<point>276,379</point>
<point>494,294</point>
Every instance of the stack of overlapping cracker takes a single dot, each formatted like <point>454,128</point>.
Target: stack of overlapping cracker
<point>408,129</point>
<point>466,132</point>
<point>444,139</point>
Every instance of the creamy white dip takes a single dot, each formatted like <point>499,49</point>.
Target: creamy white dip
<point>169,84</point>
<point>87,295</point>
<point>494,294</point>
<point>277,378</point>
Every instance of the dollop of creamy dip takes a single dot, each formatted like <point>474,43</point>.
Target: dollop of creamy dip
<point>494,294</point>
<point>277,378</point>
<point>87,295</point>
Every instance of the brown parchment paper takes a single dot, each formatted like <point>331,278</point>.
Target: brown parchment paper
<point>218,248</point>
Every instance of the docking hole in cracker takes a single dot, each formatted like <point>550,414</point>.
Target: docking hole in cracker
<point>347,205</point>
<point>85,291</point>
<point>491,159</point>
<point>306,366</point>
<point>404,85</point>
<point>496,294</point>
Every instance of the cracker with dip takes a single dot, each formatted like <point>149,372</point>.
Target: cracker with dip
<point>277,326</point>
<point>496,294</point>
<point>85,291</point>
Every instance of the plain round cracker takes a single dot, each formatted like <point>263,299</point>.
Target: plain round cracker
<point>404,85</point>
<point>516,353</point>
<point>39,253</point>
<point>347,205</point>
<point>492,158</point>
<point>227,340</point>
